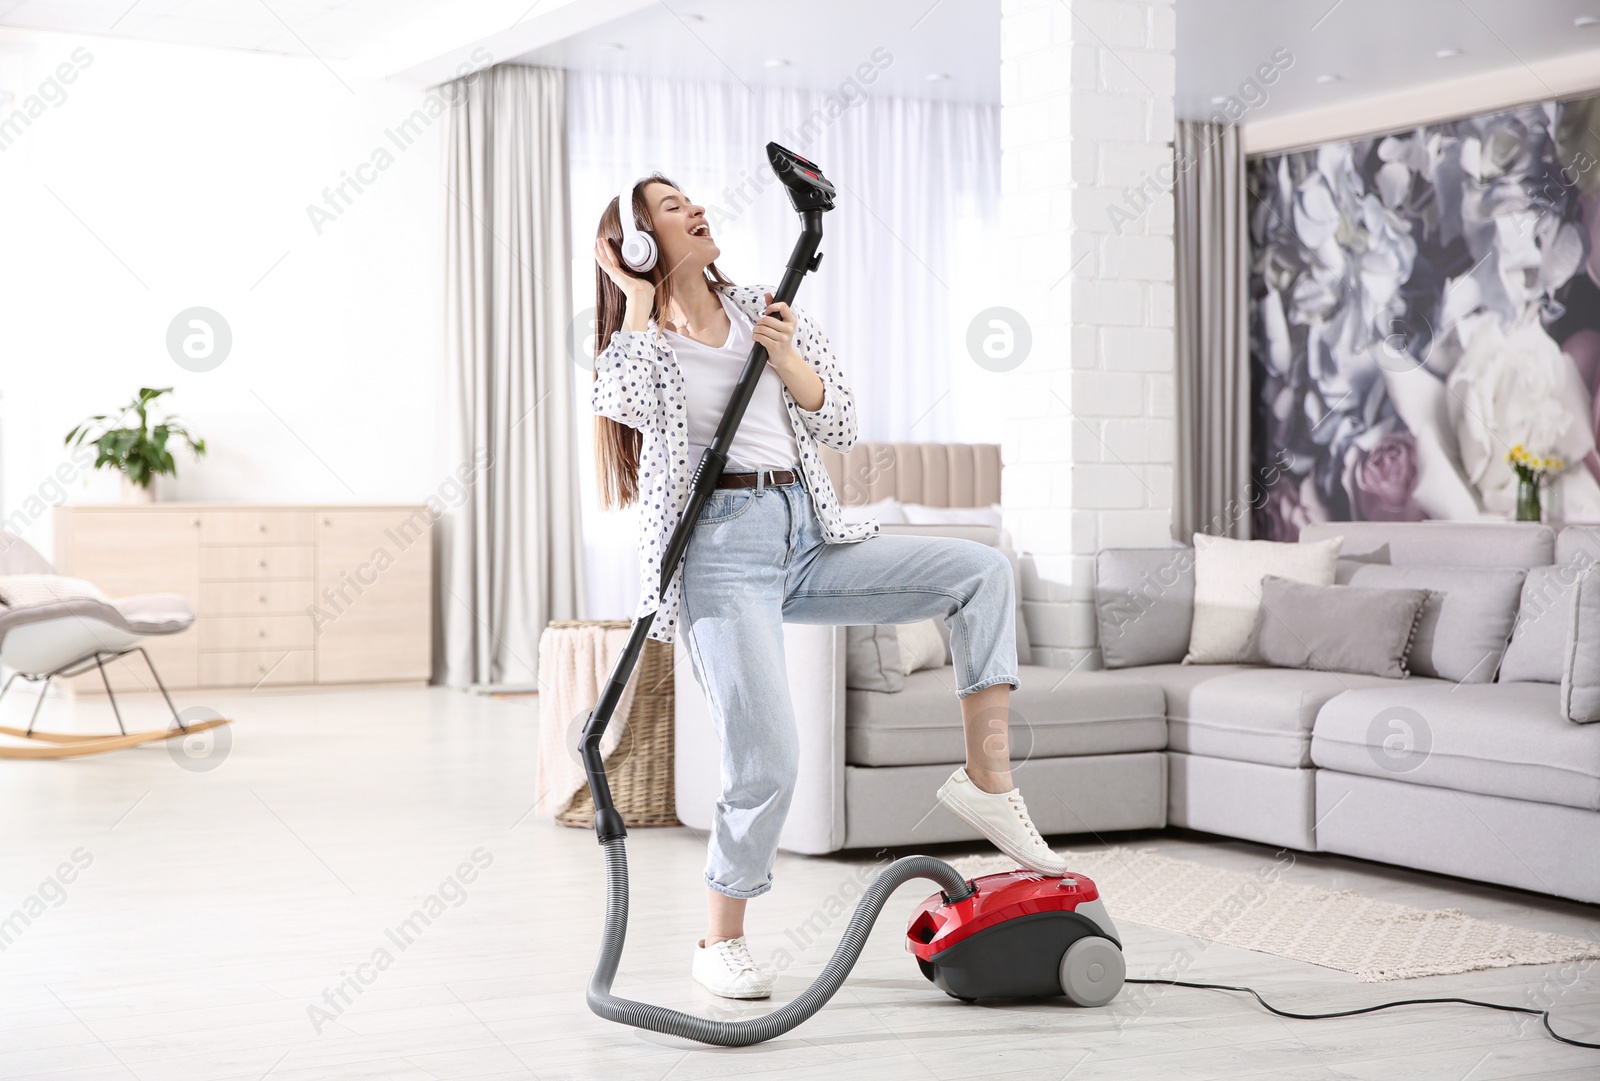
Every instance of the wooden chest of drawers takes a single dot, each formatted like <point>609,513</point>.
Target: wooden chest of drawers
<point>283,595</point>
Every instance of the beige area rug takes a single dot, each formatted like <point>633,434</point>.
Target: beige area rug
<point>1338,929</point>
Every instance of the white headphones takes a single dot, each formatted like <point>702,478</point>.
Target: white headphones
<point>638,247</point>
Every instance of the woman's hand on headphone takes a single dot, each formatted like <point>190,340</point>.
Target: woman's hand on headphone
<point>775,330</point>
<point>640,292</point>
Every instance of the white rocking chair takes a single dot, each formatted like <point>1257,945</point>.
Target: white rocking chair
<point>57,633</point>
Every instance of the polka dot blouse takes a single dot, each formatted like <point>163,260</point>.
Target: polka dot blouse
<point>639,384</point>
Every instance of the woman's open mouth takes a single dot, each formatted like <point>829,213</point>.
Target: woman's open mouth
<point>701,230</point>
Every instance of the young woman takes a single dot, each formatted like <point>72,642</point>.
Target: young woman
<point>770,547</point>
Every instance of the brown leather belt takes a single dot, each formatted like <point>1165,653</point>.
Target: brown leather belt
<point>748,480</point>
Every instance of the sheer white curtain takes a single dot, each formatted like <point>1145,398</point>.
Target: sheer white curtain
<point>919,189</point>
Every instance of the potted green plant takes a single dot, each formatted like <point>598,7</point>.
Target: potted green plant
<point>140,452</point>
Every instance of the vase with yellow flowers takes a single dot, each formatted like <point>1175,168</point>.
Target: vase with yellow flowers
<point>1531,470</point>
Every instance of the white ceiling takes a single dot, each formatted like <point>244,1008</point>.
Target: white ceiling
<point>820,42</point>
<point>1373,46</point>
<point>331,29</point>
<point>427,41</point>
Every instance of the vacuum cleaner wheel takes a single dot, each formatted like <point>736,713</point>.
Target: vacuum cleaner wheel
<point>1092,971</point>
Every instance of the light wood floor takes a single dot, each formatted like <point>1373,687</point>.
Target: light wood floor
<point>208,912</point>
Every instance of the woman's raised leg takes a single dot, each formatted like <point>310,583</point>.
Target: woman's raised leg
<point>894,578</point>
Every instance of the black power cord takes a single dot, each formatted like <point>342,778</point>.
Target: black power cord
<point>1543,1015</point>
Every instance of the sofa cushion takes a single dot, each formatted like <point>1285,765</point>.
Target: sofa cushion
<point>1227,589</point>
<point>145,614</point>
<point>1346,565</point>
<point>887,511</point>
<point>1455,544</point>
<point>926,514</point>
<point>1055,713</point>
<point>1335,628</point>
<point>1144,603</point>
<point>1539,637</point>
<point>1498,739</point>
<point>1466,626</point>
<point>980,532</point>
<point>1245,713</point>
<point>872,659</point>
<point>1578,544</point>
<point>155,613</point>
<point>1580,672</point>
<point>30,590</point>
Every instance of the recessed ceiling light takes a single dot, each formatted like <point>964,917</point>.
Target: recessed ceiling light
<point>615,46</point>
<point>693,17</point>
<point>1586,20</point>
<point>1446,54</point>
<point>1330,78</point>
<point>777,62</point>
<point>1219,99</point>
<point>937,76</point>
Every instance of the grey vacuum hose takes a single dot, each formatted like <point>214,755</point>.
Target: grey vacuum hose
<point>756,1029</point>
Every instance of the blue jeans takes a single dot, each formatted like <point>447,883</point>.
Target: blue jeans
<point>757,560</point>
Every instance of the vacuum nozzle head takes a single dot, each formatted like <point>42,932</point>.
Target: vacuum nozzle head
<point>808,189</point>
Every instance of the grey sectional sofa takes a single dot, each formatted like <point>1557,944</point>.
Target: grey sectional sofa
<point>1476,775</point>
<point>1479,775</point>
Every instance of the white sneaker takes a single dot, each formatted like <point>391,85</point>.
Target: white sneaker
<point>727,969</point>
<point>1003,819</point>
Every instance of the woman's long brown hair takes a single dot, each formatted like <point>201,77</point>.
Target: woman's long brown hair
<point>617,445</point>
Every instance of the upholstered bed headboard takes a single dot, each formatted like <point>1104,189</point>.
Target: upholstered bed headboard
<point>935,474</point>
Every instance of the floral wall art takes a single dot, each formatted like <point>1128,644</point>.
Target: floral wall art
<point>1421,303</point>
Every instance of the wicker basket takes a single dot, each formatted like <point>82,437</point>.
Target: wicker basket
<point>640,769</point>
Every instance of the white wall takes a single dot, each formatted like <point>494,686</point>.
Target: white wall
<point>167,177</point>
<point>1087,117</point>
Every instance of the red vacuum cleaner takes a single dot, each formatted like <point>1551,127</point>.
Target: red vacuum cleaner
<point>1020,935</point>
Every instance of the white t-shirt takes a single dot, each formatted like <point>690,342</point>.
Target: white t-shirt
<point>765,439</point>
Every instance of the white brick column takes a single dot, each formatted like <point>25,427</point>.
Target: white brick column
<point>1086,128</point>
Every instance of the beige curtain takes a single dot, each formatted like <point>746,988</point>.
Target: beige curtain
<point>511,560</point>
<point>1212,247</point>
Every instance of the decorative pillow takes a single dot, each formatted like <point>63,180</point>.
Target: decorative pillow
<point>1144,604</point>
<point>888,511</point>
<point>872,659</point>
<point>922,514</point>
<point>1227,589</point>
<point>878,658</point>
<point>33,590</point>
<point>1538,648</point>
<point>921,645</point>
<point>1580,675</point>
<point>1465,627</point>
<point>1336,628</point>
